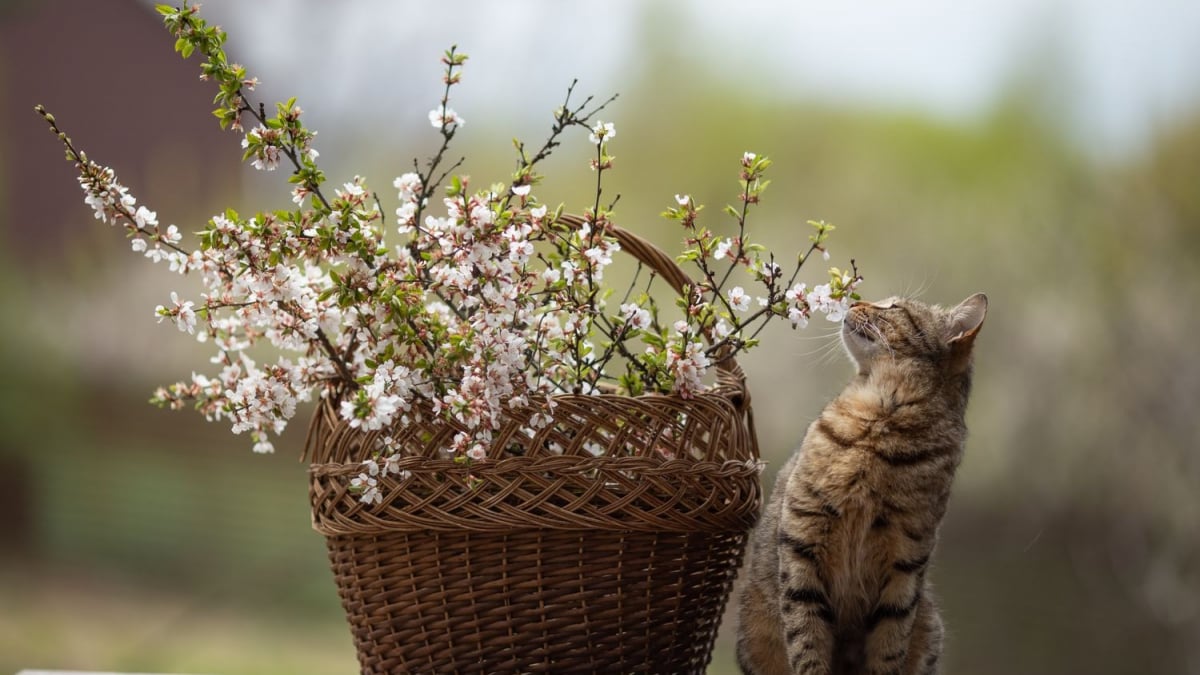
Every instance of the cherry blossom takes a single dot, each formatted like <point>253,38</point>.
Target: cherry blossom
<point>637,316</point>
<point>722,249</point>
<point>145,218</point>
<point>180,311</point>
<point>738,299</point>
<point>262,445</point>
<point>602,131</point>
<point>445,118</point>
<point>368,487</point>
<point>822,299</point>
<point>688,365</point>
<point>263,144</point>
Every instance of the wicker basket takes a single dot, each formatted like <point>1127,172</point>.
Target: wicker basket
<point>541,561</point>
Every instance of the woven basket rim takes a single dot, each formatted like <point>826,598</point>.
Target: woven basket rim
<point>709,486</point>
<point>708,498</point>
<point>729,400</point>
<point>564,464</point>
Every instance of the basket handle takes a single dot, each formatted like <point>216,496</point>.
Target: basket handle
<point>730,375</point>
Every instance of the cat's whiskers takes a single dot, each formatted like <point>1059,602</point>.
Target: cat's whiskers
<point>920,290</point>
<point>828,350</point>
<point>837,349</point>
<point>833,332</point>
<point>880,338</point>
<point>832,352</point>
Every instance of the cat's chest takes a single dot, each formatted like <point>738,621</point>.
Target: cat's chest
<point>863,487</point>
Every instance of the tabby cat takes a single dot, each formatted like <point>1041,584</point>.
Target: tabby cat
<point>837,572</point>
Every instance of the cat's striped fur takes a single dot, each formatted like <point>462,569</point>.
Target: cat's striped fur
<point>837,578</point>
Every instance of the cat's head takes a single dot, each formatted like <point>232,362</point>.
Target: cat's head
<point>904,330</point>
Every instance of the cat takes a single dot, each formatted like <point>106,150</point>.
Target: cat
<point>837,569</point>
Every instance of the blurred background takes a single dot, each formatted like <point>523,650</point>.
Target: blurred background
<point>1044,151</point>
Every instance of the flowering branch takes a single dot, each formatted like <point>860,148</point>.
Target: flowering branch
<point>493,305</point>
<point>564,118</point>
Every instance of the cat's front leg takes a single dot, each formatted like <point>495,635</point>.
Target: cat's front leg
<point>806,610</point>
<point>807,630</point>
<point>925,646</point>
<point>890,625</point>
<point>760,647</point>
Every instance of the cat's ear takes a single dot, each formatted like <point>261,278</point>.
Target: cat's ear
<point>967,320</point>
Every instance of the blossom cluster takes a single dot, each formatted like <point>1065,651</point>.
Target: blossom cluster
<point>366,483</point>
<point>473,303</point>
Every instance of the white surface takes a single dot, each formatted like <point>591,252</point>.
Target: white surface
<point>76,672</point>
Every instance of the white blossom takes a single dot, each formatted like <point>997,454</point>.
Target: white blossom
<point>602,131</point>
<point>145,218</point>
<point>266,154</point>
<point>722,249</point>
<point>722,329</point>
<point>262,445</point>
<point>181,312</point>
<point>408,185</point>
<point>637,316</point>
<point>371,466</point>
<point>443,117</point>
<point>602,255</point>
<point>568,271</point>
<point>391,466</point>
<point>821,299</point>
<point>738,299</point>
<point>405,215</point>
<point>797,293</point>
<point>368,488</point>
<point>689,366</point>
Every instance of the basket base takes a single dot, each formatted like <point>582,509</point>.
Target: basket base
<point>535,601</point>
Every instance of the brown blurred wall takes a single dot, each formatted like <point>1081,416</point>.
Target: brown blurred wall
<point>107,72</point>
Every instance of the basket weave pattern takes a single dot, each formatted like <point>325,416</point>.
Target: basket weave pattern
<point>606,542</point>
